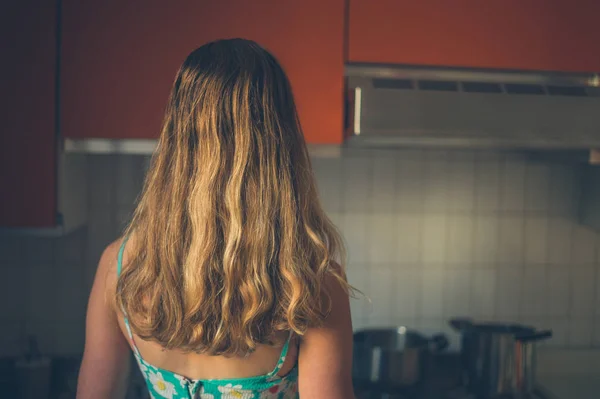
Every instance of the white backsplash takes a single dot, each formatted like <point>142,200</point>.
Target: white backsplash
<point>436,234</point>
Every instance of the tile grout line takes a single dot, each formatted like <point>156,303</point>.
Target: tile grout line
<point>473,235</point>
<point>420,223</point>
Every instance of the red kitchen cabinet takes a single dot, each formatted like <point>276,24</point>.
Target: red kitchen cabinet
<point>553,35</point>
<point>120,58</point>
<point>27,112</point>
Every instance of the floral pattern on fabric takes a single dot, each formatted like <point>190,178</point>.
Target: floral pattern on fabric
<point>165,384</point>
<point>203,395</point>
<point>231,391</point>
<point>286,388</point>
<point>162,387</point>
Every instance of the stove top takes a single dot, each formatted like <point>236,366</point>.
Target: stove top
<point>437,393</point>
<point>443,381</point>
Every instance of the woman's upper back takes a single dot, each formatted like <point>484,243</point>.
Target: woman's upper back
<point>268,372</point>
<point>319,361</point>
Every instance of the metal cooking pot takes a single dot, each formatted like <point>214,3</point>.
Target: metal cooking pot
<point>498,359</point>
<point>393,357</point>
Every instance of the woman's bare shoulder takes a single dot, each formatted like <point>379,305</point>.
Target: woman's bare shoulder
<point>107,266</point>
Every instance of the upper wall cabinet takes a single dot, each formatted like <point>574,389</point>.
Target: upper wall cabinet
<point>120,59</point>
<point>27,112</point>
<point>556,35</point>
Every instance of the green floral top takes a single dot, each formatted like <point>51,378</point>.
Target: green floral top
<point>166,384</point>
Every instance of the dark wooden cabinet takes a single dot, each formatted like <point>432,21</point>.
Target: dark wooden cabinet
<point>120,58</point>
<point>27,112</point>
<point>553,35</point>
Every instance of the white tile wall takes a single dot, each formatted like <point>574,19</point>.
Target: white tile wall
<point>102,186</point>
<point>537,187</point>
<point>356,183</point>
<point>533,288</point>
<point>409,182</point>
<point>433,238</point>
<point>460,235</point>
<point>560,234</point>
<point>457,292</point>
<point>461,184</point>
<point>596,334</point>
<point>430,234</point>
<point>383,195</point>
<point>483,293</point>
<point>583,251</point>
<point>408,238</point>
<point>583,292</point>
<point>432,292</point>
<point>486,240</point>
<point>511,242</point>
<point>381,233</point>
<point>559,326</point>
<point>512,188</point>
<point>581,332</point>
<point>597,305</point>
<point>509,292</point>
<point>328,173</point>
<point>355,235</point>
<point>487,185</point>
<point>407,292</point>
<point>357,277</point>
<point>536,240</point>
<point>380,289</point>
<point>436,186</point>
<point>128,179</point>
<point>556,295</point>
<point>564,189</point>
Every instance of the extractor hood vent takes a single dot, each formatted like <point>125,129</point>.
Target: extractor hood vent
<point>464,108</point>
<point>485,87</point>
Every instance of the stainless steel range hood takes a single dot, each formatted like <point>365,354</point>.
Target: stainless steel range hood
<point>433,107</point>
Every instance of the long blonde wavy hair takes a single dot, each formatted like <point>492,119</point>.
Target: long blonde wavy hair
<point>231,244</point>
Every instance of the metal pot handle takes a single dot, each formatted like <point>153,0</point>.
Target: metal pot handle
<point>537,336</point>
<point>438,342</point>
<point>461,324</point>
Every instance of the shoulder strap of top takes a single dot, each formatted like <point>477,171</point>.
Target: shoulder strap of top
<point>281,361</point>
<point>120,257</point>
<point>119,268</point>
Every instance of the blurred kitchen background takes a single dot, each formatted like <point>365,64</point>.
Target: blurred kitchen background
<point>431,235</point>
<point>504,227</point>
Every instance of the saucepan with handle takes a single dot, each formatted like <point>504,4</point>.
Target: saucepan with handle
<point>393,357</point>
<point>498,358</point>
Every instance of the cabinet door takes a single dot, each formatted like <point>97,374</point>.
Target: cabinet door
<point>556,35</point>
<point>120,58</point>
<point>27,112</point>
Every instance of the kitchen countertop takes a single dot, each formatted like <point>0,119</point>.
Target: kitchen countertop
<point>561,374</point>
<point>570,386</point>
<point>569,373</point>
